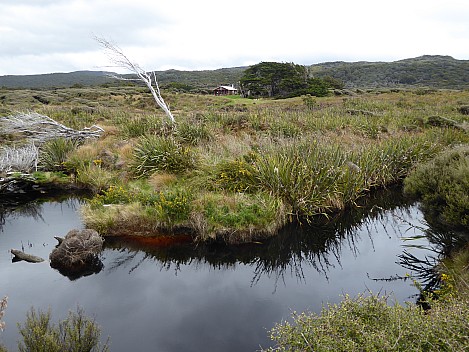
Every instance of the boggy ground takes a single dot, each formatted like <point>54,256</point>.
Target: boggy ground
<point>235,169</point>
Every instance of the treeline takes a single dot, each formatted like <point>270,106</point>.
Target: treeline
<point>283,80</point>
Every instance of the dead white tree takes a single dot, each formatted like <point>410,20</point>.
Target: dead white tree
<point>22,159</point>
<point>118,58</point>
<point>38,128</point>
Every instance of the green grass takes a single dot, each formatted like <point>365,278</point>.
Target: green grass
<point>308,158</point>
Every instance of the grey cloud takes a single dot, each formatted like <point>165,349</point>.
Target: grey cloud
<point>63,28</point>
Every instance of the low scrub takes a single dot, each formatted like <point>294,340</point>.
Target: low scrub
<point>369,323</point>
<point>76,333</point>
<point>443,186</point>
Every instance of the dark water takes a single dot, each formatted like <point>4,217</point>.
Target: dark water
<point>206,298</point>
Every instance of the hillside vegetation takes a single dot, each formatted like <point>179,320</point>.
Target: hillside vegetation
<point>428,71</point>
<point>424,71</point>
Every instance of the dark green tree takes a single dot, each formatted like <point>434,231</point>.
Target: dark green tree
<point>282,80</point>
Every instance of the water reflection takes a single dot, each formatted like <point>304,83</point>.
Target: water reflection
<point>214,294</point>
<point>297,244</point>
<point>442,243</point>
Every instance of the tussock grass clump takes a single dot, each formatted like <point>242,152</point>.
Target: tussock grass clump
<point>95,178</point>
<point>388,162</point>
<point>193,133</point>
<point>305,175</point>
<point>142,125</point>
<point>154,153</point>
<point>54,153</point>
<point>138,208</point>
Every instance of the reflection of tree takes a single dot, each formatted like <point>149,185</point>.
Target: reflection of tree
<point>296,244</point>
<point>30,204</point>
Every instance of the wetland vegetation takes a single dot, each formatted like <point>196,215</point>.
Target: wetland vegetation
<point>236,170</point>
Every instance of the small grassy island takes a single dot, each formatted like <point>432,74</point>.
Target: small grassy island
<point>233,169</point>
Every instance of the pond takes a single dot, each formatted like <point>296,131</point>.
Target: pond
<point>151,297</point>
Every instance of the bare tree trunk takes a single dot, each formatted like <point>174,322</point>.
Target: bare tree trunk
<point>117,56</point>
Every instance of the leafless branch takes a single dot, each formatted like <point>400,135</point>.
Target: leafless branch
<point>38,128</point>
<point>22,159</point>
<point>118,58</point>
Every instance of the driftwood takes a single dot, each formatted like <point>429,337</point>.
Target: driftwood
<point>20,255</point>
<point>59,239</point>
<point>38,128</point>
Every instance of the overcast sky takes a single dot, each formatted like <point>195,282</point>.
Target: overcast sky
<point>44,36</point>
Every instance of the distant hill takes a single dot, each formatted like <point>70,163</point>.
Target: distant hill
<point>429,71</point>
<point>197,79</point>
<point>59,80</point>
<point>425,71</point>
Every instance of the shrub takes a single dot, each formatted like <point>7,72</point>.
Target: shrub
<point>154,153</point>
<point>235,175</point>
<point>77,333</point>
<point>173,207</point>
<point>112,195</point>
<point>443,186</point>
<point>370,324</point>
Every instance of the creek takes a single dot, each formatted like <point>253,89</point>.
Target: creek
<point>151,296</point>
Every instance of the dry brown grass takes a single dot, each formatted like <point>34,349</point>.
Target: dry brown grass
<point>161,179</point>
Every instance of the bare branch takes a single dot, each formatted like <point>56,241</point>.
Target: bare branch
<point>117,56</point>
<point>38,128</point>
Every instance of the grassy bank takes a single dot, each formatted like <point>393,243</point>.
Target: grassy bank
<point>237,169</point>
<point>375,323</point>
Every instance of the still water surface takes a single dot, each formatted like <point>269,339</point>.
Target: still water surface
<point>203,298</point>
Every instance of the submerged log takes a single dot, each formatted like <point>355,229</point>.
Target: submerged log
<point>20,255</point>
